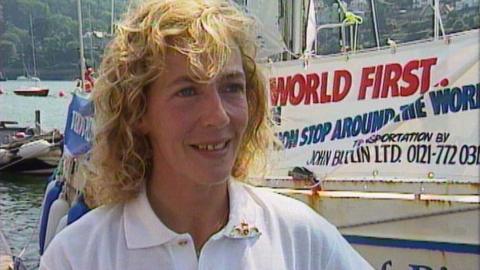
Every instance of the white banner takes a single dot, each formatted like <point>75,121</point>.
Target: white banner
<point>410,112</point>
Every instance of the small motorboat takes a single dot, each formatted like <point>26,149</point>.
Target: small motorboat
<point>28,78</point>
<point>32,91</point>
<point>10,130</point>
<point>38,154</point>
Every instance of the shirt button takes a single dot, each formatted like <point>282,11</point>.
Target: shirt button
<point>182,242</point>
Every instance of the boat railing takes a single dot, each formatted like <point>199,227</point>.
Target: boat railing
<point>371,27</point>
<point>327,26</point>
<point>393,46</point>
<point>351,20</point>
<point>53,137</point>
<point>3,124</point>
<point>303,178</point>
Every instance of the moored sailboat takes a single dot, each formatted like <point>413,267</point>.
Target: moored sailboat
<point>32,91</point>
<point>35,90</point>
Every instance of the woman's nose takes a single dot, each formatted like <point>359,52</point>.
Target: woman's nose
<point>215,113</point>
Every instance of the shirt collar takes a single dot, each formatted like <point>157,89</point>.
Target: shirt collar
<point>144,229</point>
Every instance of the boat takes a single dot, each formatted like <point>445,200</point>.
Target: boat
<point>32,91</point>
<point>28,78</point>
<point>10,130</point>
<point>29,150</point>
<point>56,211</point>
<point>374,141</point>
<point>39,154</point>
<point>35,90</point>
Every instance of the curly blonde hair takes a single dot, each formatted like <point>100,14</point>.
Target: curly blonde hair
<point>202,30</point>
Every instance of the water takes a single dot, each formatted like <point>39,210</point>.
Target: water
<point>21,195</point>
<point>53,108</point>
<point>20,201</point>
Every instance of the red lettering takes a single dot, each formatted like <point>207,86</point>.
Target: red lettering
<point>392,80</point>
<point>426,64</point>
<point>298,82</point>
<point>410,78</point>
<point>378,81</point>
<point>277,88</point>
<point>311,91</point>
<point>393,72</point>
<point>337,77</point>
<point>324,96</point>
<point>366,81</point>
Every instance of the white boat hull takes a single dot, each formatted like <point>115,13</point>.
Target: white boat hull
<point>403,231</point>
<point>421,258</point>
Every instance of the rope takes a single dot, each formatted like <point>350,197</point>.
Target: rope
<point>351,19</point>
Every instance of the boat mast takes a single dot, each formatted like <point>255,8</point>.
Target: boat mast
<point>375,25</point>
<point>92,59</point>
<point>435,19</point>
<point>112,17</point>
<point>80,36</point>
<point>33,47</point>
<point>297,26</point>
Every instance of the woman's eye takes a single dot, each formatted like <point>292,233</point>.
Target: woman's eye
<point>235,88</point>
<point>186,92</point>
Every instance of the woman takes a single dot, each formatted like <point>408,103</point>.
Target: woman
<point>180,119</point>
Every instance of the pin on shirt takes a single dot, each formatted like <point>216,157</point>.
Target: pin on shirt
<point>244,230</point>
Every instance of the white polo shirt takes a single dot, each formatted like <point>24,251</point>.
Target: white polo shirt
<point>283,234</point>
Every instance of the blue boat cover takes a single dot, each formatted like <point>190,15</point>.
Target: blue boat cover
<point>51,196</point>
<point>78,209</point>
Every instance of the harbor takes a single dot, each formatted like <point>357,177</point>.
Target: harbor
<point>21,195</point>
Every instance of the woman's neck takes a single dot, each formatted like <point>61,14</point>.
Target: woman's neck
<point>186,207</point>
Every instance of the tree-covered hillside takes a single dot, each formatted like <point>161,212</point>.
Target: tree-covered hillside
<point>55,35</point>
<point>55,28</point>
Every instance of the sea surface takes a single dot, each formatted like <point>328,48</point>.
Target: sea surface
<point>21,195</point>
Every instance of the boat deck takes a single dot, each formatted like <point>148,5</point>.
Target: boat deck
<point>6,262</point>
